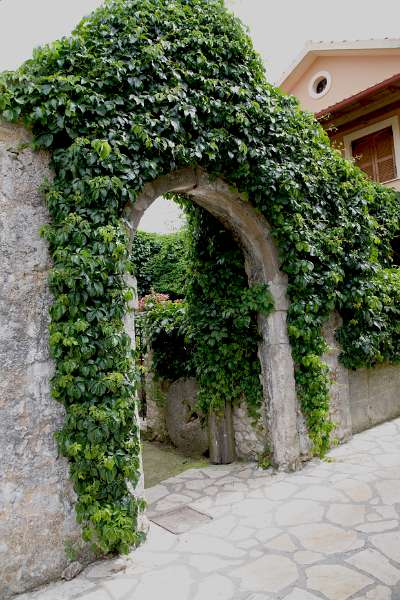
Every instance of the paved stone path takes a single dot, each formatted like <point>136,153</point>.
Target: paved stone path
<point>330,532</point>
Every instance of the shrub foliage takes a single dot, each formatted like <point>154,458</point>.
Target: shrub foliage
<point>213,333</point>
<point>141,88</point>
<point>160,262</point>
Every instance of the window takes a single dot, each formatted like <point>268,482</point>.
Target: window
<point>396,251</point>
<point>320,84</point>
<point>374,154</point>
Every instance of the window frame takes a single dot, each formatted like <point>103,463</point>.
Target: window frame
<point>314,82</point>
<point>392,122</point>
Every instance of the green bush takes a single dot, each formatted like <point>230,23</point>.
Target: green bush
<point>160,262</point>
<point>164,330</point>
<point>144,246</point>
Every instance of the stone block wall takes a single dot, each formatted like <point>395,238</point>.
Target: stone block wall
<point>362,398</point>
<point>374,396</point>
<point>36,499</point>
<point>250,438</point>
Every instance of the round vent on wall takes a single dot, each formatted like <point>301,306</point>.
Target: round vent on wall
<point>320,84</point>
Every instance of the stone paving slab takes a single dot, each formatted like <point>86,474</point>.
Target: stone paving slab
<point>330,531</point>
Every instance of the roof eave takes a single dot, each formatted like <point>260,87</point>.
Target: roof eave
<point>314,49</point>
<point>330,110</point>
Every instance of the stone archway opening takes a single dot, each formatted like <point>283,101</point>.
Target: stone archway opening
<point>279,409</point>
<point>32,467</point>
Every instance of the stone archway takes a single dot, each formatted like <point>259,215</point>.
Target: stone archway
<point>34,478</point>
<point>262,266</point>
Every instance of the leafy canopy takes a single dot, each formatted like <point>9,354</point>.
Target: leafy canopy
<point>160,262</point>
<point>212,334</point>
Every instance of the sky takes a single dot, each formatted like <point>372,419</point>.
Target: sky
<point>279,29</point>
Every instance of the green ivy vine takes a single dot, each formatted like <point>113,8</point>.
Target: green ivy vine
<point>212,334</point>
<point>222,313</point>
<point>140,89</point>
<point>160,262</point>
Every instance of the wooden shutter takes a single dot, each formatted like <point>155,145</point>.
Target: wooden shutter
<point>363,152</point>
<point>374,154</point>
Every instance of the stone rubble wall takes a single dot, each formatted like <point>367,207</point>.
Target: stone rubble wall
<point>154,425</point>
<point>362,398</point>
<point>37,514</point>
<point>184,423</point>
<point>250,439</point>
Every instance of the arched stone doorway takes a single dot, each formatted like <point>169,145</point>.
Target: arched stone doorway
<point>262,266</point>
<point>38,528</point>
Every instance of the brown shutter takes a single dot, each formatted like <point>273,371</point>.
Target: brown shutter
<point>384,151</point>
<point>363,152</point>
<point>374,154</point>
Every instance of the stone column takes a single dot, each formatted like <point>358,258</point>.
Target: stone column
<point>339,406</point>
<point>281,410</point>
<point>37,518</point>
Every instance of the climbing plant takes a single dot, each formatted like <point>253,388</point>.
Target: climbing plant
<point>160,263</point>
<point>213,333</point>
<point>141,88</point>
<point>222,317</point>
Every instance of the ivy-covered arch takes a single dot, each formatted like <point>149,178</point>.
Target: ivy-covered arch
<point>142,89</point>
<point>263,267</point>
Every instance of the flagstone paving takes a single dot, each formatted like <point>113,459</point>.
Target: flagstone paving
<point>330,531</point>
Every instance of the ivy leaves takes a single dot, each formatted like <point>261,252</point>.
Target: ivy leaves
<point>222,317</point>
<point>102,147</point>
<point>211,334</point>
<point>144,87</point>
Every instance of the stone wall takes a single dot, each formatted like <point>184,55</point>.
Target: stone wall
<point>36,498</point>
<point>250,438</point>
<point>362,398</point>
<point>37,519</point>
<point>154,425</point>
<point>167,411</point>
<point>374,396</point>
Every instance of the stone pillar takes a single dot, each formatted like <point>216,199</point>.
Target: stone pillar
<point>37,519</point>
<point>339,376</point>
<point>275,355</point>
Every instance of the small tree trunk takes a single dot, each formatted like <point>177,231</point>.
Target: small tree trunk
<point>221,436</point>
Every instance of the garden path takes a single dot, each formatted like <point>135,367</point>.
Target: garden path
<point>330,531</point>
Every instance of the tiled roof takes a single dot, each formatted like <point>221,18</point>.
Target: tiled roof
<point>360,95</point>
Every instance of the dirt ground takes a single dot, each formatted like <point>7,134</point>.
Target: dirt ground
<point>161,461</point>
